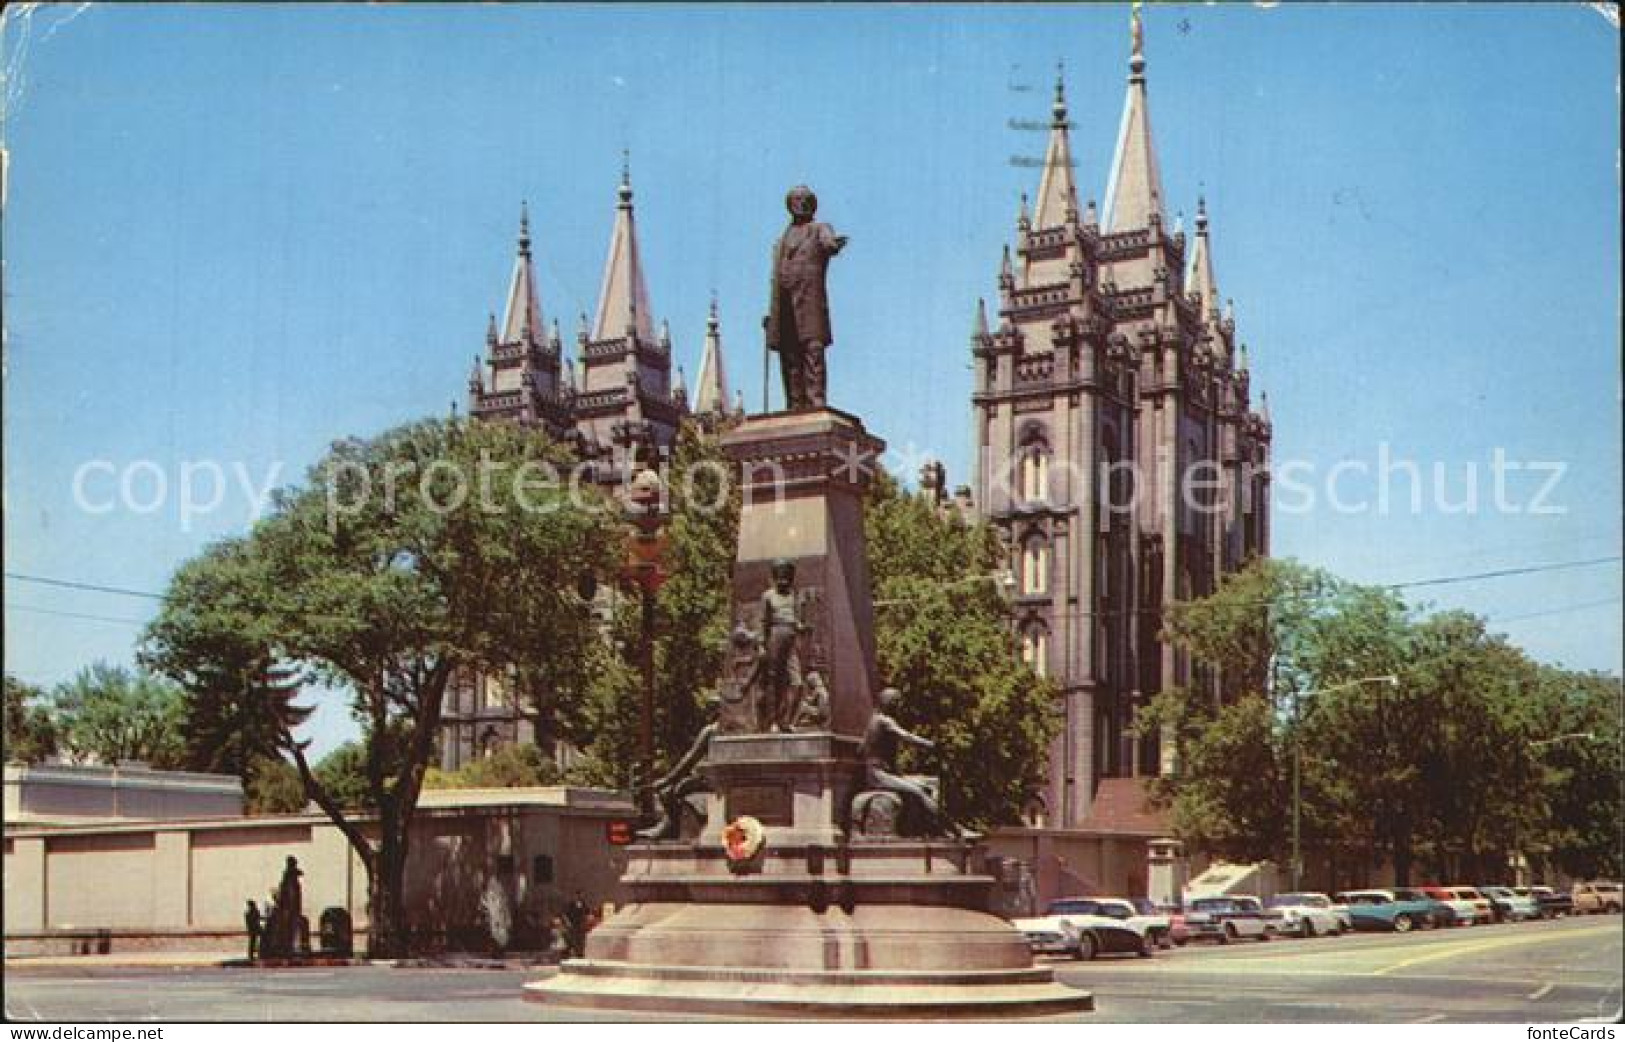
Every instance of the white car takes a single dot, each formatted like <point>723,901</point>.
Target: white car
<point>1226,918</point>
<point>1082,933</point>
<point>1303,915</point>
<point>1156,927</point>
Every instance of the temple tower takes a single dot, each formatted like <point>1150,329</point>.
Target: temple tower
<point>1104,392</point>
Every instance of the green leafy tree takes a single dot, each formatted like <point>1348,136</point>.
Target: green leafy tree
<point>342,774</point>
<point>1582,785</point>
<point>212,641</point>
<point>108,714</point>
<point>510,767</point>
<point>1229,791</point>
<point>30,732</point>
<point>943,638</point>
<point>691,619</point>
<point>435,547</point>
<point>273,786</point>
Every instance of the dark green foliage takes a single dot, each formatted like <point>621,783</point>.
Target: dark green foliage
<point>109,714</point>
<point>273,787</point>
<point>943,639</point>
<point>30,732</point>
<point>509,767</point>
<point>436,547</point>
<point>1474,755</point>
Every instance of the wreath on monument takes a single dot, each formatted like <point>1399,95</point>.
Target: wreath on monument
<point>742,840</point>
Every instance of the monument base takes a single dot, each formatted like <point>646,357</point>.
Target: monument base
<point>867,995</point>
<point>816,925</point>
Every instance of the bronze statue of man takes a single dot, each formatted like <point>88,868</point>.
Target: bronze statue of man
<point>798,313</point>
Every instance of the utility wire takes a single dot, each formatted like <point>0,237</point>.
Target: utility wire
<point>91,587</point>
<point>74,614</point>
<point>1112,612</point>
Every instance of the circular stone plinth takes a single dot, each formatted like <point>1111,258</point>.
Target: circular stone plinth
<point>762,994</point>
<point>875,962</point>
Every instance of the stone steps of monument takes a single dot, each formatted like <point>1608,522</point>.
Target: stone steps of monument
<point>849,995</point>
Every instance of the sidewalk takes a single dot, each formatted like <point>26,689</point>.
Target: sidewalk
<point>119,960</point>
<point>201,960</point>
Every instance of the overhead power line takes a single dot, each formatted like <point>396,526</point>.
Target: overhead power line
<point>67,584</point>
<point>1500,573</point>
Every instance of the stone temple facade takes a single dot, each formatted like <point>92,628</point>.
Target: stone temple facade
<point>618,400</point>
<point>1116,447</point>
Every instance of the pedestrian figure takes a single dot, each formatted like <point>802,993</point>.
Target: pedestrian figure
<point>575,922</point>
<point>253,924</point>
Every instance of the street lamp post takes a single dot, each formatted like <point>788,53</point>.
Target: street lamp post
<point>1297,762</point>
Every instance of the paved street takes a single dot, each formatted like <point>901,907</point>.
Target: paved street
<point>1557,971</point>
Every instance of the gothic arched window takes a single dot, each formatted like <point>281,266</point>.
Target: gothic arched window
<point>1035,564</point>
<point>1035,648</point>
<point>1033,469</point>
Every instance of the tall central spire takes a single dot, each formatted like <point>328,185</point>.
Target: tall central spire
<point>623,298</point>
<point>522,316</point>
<point>1134,191</point>
<point>1056,192</point>
<point>711,389</point>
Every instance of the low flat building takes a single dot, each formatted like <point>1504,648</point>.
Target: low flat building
<point>182,885</point>
<point>69,793</point>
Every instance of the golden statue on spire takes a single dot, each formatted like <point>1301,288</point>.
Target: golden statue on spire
<point>1136,30</point>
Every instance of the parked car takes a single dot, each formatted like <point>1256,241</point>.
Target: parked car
<point>1382,910</point>
<point>1462,911</point>
<point>1486,911</point>
<point>1552,903</point>
<point>1442,913</point>
<point>1508,906</point>
<point>1225,919</point>
<point>1594,897</point>
<point>1085,930</point>
<point>1144,918</point>
<point>1303,915</point>
<point>1178,932</point>
<point>1339,909</point>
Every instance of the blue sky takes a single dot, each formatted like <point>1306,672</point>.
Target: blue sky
<point>238,233</point>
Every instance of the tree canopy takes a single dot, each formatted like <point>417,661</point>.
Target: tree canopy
<point>30,732</point>
<point>437,546</point>
<point>111,714</point>
<point>943,639</point>
<point>1471,753</point>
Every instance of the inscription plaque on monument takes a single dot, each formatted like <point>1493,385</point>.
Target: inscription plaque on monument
<point>769,804</point>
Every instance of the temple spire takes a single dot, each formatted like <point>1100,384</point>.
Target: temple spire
<point>711,388</point>
<point>978,329</point>
<point>623,298</point>
<point>1201,279</point>
<point>1134,191</point>
<point>522,313</point>
<point>1056,191</point>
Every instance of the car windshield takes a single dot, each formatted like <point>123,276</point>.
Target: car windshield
<point>1211,905</point>
<point>1116,909</point>
<point>1145,906</point>
<point>1073,908</point>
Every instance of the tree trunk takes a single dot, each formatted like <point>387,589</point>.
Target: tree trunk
<point>386,896</point>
